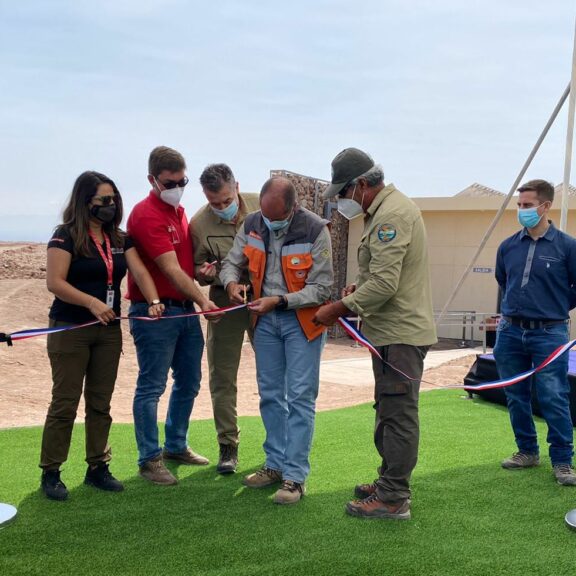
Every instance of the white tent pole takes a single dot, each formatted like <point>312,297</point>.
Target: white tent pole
<point>569,139</point>
<point>505,203</point>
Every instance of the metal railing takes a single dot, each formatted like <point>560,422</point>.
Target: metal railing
<point>470,321</point>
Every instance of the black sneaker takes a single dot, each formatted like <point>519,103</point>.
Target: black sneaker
<point>52,486</point>
<point>228,460</point>
<point>101,478</point>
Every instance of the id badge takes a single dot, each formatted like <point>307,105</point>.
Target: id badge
<point>110,298</point>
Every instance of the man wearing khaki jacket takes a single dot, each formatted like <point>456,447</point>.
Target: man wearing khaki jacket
<point>392,295</point>
<point>213,229</point>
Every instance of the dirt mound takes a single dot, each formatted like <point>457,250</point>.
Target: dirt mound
<point>22,262</point>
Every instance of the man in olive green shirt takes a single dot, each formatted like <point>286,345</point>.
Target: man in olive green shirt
<point>213,229</point>
<point>392,295</point>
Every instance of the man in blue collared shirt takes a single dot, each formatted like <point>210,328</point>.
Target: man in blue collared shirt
<point>536,269</point>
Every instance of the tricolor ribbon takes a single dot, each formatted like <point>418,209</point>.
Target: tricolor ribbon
<point>352,331</point>
<point>31,333</point>
<point>519,377</point>
<point>356,335</point>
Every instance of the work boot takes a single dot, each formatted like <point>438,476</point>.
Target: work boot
<point>187,457</point>
<point>156,472</point>
<point>228,460</point>
<point>262,478</point>
<point>100,477</point>
<point>373,507</point>
<point>521,460</point>
<point>362,491</point>
<point>565,474</point>
<point>290,492</point>
<point>52,486</point>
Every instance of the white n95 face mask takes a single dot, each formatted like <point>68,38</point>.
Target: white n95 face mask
<point>172,196</point>
<point>350,209</point>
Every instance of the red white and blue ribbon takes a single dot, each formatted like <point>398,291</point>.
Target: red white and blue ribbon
<point>31,333</point>
<point>356,335</point>
<point>346,324</point>
<point>519,377</point>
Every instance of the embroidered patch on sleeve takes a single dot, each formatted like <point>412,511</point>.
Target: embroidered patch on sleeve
<point>386,232</point>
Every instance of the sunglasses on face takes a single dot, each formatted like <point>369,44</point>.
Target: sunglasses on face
<point>171,184</point>
<point>105,200</point>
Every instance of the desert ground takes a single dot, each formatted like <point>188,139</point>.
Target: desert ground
<point>25,381</point>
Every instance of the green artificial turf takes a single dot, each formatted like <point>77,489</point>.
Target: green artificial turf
<point>468,515</point>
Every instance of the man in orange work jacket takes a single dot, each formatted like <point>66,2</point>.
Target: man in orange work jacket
<point>288,254</point>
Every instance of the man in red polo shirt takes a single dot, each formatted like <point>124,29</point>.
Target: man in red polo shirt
<point>159,227</point>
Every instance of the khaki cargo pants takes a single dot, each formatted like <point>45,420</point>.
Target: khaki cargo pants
<point>224,348</point>
<point>85,358</point>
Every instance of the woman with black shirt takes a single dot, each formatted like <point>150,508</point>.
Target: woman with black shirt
<point>87,259</point>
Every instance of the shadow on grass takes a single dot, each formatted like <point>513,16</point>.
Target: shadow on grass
<point>469,516</point>
<point>210,524</point>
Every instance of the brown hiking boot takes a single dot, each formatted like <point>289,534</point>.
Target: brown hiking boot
<point>373,507</point>
<point>362,491</point>
<point>290,492</point>
<point>262,478</point>
<point>156,472</point>
<point>521,460</point>
<point>187,457</point>
<point>565,475</point>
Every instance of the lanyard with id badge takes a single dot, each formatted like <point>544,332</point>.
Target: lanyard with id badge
<point>109,262</point>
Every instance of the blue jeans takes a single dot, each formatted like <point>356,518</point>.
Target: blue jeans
<point>288,374</point>
<point>518,350</point>
<point>161,345</point>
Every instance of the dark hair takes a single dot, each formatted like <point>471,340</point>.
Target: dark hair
<point>289,192</point>
<point>76,216</point>
<point>544,190</point>
<point>215,176</point>
<point>164,158</point>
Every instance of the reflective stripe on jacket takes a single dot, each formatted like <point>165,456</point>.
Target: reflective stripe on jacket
<point>296,258</point>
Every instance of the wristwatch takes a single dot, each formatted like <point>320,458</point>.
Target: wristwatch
<point>283,304</point>
<point>154,302</point>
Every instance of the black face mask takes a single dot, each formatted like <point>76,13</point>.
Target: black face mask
<point>103,213</point>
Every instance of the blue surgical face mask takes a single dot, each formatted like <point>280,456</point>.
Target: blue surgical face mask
<point>229,213</point>
<point>528,217</point>
<point>276,225</point>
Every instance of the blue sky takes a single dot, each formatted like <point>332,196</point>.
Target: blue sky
<point>442,93</point>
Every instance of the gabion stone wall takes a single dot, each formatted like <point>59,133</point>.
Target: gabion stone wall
<point>309,191</point>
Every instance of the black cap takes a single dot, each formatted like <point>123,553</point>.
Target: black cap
<point>349,164</point>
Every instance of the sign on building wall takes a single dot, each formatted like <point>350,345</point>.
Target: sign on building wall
<point>481,270</point>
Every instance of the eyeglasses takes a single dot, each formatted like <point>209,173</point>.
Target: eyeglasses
<point>105,200</point>
<point>171,184</point>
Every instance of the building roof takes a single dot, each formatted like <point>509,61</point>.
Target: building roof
<point>558,190</point>
<point>479,197</point>
<point>478,190</point>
